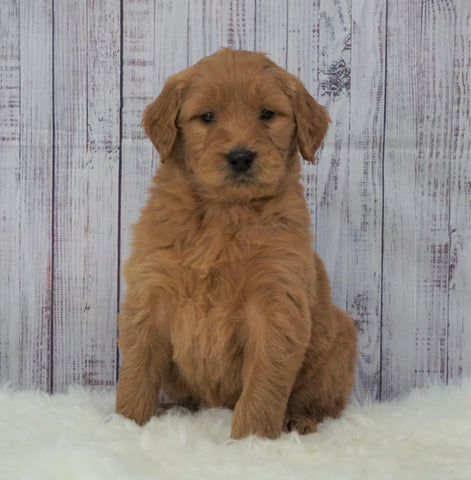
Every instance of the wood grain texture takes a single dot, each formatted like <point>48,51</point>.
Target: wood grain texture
<point>459,296</point>
<point>205,28</point>
<point>331,222</point>
<point>10,332</point>
<point>390,195</point>
<point>87,63</point>
<point>399,276</point>
<point>271,29</point>
<point>239,24</point>
<point>213,24</point>
<point>364,249</point>
<point>36,187</point>
<point>417,162</point>
<point>432,189</point>
<point>137,159</point>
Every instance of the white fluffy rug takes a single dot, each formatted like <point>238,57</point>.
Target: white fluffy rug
<point>426,435</point>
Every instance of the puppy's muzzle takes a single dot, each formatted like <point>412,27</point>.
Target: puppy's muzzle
<point>240,159</point>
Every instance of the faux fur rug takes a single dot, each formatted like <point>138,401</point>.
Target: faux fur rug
<point>426,435</point>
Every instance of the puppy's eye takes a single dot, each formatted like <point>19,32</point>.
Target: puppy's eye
<point>266,114</point>
<point>208,117</point>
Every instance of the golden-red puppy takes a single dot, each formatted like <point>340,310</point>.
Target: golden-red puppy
<point>227,304</point>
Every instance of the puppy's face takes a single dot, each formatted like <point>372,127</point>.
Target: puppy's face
<point>237,121</point>
<point>237,130</point>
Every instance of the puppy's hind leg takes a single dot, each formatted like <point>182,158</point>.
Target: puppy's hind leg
<point>325,383</point>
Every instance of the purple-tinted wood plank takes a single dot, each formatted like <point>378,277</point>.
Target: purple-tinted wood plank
<point>36,164</point>
<point>459,324</point>
<point>238,24</point>
<point>331,223</point>
<point>271,29</point>
<point>87,101</point>
<point>365,188</point>
<point>10,331</point>
<point>416,165</point>
<point>205,28</point>
<point>138,162</point>
<point>214,24</point>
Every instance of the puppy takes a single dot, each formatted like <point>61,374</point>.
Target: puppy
<point>227,304</point>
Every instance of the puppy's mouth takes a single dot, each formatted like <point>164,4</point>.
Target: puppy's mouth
<point>242,178</point>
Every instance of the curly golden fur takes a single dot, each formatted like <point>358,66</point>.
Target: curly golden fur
<point>227,304</point>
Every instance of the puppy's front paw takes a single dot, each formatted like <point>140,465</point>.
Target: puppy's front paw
<point>138,412</point>
<point>248,421</point>
<point>136,404</point>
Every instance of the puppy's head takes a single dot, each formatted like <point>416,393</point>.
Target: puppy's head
<point>236,121</point>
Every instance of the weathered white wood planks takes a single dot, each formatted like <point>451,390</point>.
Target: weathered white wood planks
<point>36,192</point>
<point>459,296</point>
<point>390,195</point>
<point>137,165</point>
<point>332,174</point>
<point>432,191</point>
<point>271,29</point>
<point>238,25</point>
<point>399,279</point>
<point>26,194</point>
<point>213,24</point>
<point>417,162</point>
<point>205,28</point>
<point>365,202</point>
<point>87,101</point>
<point>10,331</point>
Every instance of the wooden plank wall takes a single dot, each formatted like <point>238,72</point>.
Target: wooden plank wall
<point>390,196</point>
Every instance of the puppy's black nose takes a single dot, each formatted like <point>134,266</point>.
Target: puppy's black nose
<point>240,159</point>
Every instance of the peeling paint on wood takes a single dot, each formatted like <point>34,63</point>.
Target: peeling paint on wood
<point>459,280</point>
<point>86,175</point>
<point>10,332</point>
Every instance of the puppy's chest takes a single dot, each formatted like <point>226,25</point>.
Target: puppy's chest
<point>217,246</point>
<point>214,266</point>
<point>208,325</point>
<point>207,339</point>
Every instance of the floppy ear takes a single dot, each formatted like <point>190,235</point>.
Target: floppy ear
<point>160,117</point>
<point>312,120</point>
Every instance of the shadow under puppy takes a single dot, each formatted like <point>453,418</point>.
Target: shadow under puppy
<point>227,304</point>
